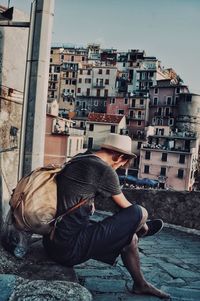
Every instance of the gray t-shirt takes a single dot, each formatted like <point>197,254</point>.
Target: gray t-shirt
<point>84,178</point>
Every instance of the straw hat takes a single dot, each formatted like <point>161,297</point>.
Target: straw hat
<point>118,143</point>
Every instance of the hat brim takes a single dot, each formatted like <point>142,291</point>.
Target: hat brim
<point>107,146</point>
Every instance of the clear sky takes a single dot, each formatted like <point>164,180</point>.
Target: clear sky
<point>167,29</point>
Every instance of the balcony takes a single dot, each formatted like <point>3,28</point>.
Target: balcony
<point>163,148</point>
<point>99,86</point>
<point>137,117</point>
<point>140,107</point>
<point>161,104</point>
<point>52,88</point>
<point>53,79</point>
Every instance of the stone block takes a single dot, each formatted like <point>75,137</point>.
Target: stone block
<point>182,294</point>
<point>104,285</point>
<point>7,284</point>
<point>41,290</point>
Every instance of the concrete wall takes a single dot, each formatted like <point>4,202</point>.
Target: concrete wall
<point>178,208</point>
<point>13,48</point>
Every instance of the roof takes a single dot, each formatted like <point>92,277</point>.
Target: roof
<point>104,118</point>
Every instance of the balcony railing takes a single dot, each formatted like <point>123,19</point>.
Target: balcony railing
<point>99,86</point>
<point>159,147</point>
<point>137,117</point>
<point>141,107</point>
<point>53,79</point>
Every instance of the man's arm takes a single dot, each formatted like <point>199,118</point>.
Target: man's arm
<point>121,200</point>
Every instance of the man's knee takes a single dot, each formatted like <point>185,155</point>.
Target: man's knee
<point>144,215</point>
<point>133,244</point>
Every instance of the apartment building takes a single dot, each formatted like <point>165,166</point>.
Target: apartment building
<point>64,64</point>
<point>62,141</point>
<point>94,85</point>
<point>144,74</point>
<point>100,125</point>
<point>118,105</point>
<point>170,157</point>
<point>164,96</point>
<point>54,82</point>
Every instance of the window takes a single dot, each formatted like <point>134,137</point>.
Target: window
<point>178,90</point>
<point>176,100</point>
<point>77,144</point>
<point>182,159</point>
<point>126,101</point>
<point>70,146</point>
<point>163,171</point>
<point>91,127</point>
<point>112,100</point>
<point>88,92</point>
<point>180,173</point>
<point>121,112</point>
<point>100,71</point>
<point>83,58</point>
<point>146,168</point>
<point>139,145</point>
<point>164,157</point>
<point>155,101</point>
<point>112,129</point>
<point>141,102</point>
<point>106,93</point>
<point>88,80</point>
<point>88,72</point>
<point>79,90</point>
<point>159,112</point>
<point>156,91</point>
<point>62,56</point>
<point>81,71</point>
<point>107,71</point>
<point>133,103</point>
<point>148,155</point>
<point>139,122</point>
<point>90,142</point>
<point>169,100</point>
<point>167,112</point>
<point>106,81</point>
<point>51,60</point>
<point>171,121</point>
<point>72,58</point>
<point>80,80</point>
<point>98,92</point>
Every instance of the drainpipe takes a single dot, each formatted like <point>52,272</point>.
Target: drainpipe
<point>36,87</point>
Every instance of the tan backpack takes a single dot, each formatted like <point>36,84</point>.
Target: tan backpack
<point>34,200</point>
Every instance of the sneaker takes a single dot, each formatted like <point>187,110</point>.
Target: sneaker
<point>155,226</point>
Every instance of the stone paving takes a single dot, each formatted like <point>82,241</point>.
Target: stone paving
<point>170,260</point>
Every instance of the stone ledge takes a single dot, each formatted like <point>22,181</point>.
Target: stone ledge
<point>36,265</point>
<point>16,288</point>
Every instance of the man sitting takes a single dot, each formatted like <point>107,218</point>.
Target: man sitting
<point>76,239</point>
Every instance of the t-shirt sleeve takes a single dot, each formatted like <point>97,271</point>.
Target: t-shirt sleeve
<point>109,183</point>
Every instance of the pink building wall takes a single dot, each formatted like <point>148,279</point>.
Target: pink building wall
<point>113,108</point>
<point>55,145</point>
<point>172,165</point>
